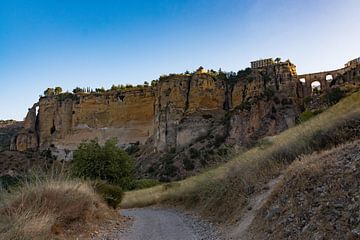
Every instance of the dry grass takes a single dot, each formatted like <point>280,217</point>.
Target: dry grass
<point>222,193</point>
<point>51,208</point>
<point>317,198</point>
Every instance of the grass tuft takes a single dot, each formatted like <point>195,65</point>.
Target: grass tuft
<point>48,207</point>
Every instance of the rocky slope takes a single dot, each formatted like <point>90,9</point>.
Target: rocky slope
<point>317,199</point>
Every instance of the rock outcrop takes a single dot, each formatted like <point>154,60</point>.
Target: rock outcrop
<point>27,138</point>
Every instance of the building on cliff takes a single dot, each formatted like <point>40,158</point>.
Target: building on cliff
<point>262,63</point>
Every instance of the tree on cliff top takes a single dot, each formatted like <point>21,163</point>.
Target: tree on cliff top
<point>49,92</point>
<point>107,162</point>
<point>58,90</point>
<point>78,90</point>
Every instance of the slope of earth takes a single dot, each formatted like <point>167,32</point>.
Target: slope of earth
<point>319,198</point>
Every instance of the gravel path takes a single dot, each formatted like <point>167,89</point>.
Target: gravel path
<point>164,224</point>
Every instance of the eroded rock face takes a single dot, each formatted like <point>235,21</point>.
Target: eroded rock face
<point>64,124</point>
<point>27,138</point>
<point>265,102</point>
<point>179,111</point>
<point>186,108</point>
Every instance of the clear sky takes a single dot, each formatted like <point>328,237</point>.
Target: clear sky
<point>69,43</point>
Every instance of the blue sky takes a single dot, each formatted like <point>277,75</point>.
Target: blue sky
<point>96,43</point>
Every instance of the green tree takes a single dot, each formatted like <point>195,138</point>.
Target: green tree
<point>153,83</point>
<point>146,83</point>
<point>277,60</point>
<point>100,90</point>
<point>58,90</point>
<point>78,90</point>
<point>107,162</point>
<point>49,92</point>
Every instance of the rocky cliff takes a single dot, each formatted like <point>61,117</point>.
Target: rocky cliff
<point>203,110</point>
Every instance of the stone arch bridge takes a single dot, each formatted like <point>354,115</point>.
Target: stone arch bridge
<point>328,78</point>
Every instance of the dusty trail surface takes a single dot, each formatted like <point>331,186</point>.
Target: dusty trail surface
<point>255,203</point>
<point>165,224</point>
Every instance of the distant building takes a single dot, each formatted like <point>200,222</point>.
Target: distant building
<point>353,62</point>
<point>262,63</point>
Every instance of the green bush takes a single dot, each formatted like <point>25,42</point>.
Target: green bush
<point>188,164</point>
<point>110,193</point>
<point>132,149</point>
<point>145,183</point>
<point>307,99</point>
<point>108,162</point>
<point>194,153</point>
<point>334,95</point>
<point>306,115</point>
<point>7,181</point>
<point>269,92</point>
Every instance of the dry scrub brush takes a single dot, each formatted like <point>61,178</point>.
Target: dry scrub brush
<point>223,192</point>
<point>318,196</point>
<point>50,208</point>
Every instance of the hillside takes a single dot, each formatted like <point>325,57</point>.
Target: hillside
<point>222,193</point>
<point>319,197</point>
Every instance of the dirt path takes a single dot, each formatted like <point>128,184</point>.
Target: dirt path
<point>164,224</point>
<point>155,223</point>
<point>254,205</point>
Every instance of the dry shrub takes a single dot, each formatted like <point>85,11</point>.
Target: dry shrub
<point>317,198</point>
<point>50,207</point>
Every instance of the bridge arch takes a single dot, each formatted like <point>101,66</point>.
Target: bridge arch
<point>316,87</point>
<point>329,77</point>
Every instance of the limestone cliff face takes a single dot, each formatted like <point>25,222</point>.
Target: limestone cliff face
<point>265,102</point>
<point>65,121</point>
<point>182,103</point>
<point>178,111</point>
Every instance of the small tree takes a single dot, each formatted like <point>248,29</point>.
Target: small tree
<point>58,90</point>
<point>277,60</point>
<point>49,92</point>
<point>100,90</point>
<point>146,83</point>
<point>153,83</point>
<point>107,162</point>
<point>78,90</point>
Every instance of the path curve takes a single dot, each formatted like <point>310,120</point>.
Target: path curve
<point>165,224</point>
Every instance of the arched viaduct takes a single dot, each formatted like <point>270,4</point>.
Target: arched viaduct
<point>328,78</point>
